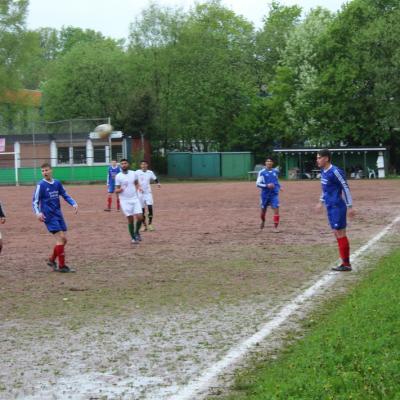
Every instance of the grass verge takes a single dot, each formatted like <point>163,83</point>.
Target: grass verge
<point>351,350</point>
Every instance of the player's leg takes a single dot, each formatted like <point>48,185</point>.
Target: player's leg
<point>118,203</point>
<point>338,221</point>
<point>275,206</point>
<point>131,226</point>
<point>1,243</point>
<point>263,206</point>
<point>138,217</point>
<point>150,203</point>
<point>144,222</point>
<point>110,191</point>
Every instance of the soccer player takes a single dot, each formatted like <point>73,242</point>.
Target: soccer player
<point>268,182</point>
<point>127,186</point>
<point>46,205</point>
<point>146,177</point>
<point>337,199</point>
<point>113,170</point>
<point>2,221</point>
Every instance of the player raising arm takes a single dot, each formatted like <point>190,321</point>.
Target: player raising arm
<point>146,177</point>
<point>46,205</point>
<point>337,199</point>
<point>268,182</point>
<point>2,221</point>
<point>127,186</point>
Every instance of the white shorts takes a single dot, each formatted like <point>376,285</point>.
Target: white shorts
<point>131,207</point>
<point>146,199</point>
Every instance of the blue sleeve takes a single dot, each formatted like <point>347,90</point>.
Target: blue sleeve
<point>36,199</point>
<point>340,177</point>
<point>66,196</point>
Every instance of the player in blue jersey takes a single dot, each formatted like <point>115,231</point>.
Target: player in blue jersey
<point>337,199</point>
<point>2,221</point>
<point>46,205</point>
<point>268,182</point>
<point>113,170</point>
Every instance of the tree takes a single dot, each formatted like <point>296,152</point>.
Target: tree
<point>88,81</point>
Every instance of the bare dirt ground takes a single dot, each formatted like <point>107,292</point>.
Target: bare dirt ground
<point>139,321</point>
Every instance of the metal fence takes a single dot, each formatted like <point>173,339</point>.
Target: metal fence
<point>66,145</point>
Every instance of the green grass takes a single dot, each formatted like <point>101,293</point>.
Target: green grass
<point>351,350</point>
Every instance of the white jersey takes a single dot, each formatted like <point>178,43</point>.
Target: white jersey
<point>127,183</point>
<point>145,179</point>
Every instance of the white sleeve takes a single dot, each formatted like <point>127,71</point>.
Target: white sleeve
<point>153,176</point>
<point>260,182</point>
<point>118,180</point>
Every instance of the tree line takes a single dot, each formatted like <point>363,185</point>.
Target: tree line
<point>208,79</point>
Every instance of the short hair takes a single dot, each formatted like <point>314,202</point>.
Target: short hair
<point>270,158</point>
<point>45,165</point>
<point>124,159</point>
<point>144,161</point>
<point>325,153</point>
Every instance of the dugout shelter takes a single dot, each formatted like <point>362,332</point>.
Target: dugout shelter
<point>357,162</point>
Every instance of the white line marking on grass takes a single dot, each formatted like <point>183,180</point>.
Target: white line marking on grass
<point>203,382</point>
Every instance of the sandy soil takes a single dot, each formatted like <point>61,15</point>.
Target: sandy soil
<point>137,321</point>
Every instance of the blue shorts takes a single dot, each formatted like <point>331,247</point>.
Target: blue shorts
<point>56,224</point>
<point>337,216</point>
<point>111,187</point>
<point>269,199</point>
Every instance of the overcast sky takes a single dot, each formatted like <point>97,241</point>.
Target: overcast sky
<point>112,17</point>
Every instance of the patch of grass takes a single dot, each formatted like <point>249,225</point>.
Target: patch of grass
<point>351,349</point>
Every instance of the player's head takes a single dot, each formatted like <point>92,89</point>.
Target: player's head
<point>47,171</point>
<point>124,164</point>
<point>114,163</point>
<point>144,165</point>
<point>324,158</point>
<point>269,162</point>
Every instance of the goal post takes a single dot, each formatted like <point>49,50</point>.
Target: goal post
<point>16,165</point>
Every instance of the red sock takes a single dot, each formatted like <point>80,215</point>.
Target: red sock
<point>263,212</point>
<point>117,203</point>
<point>344,250</point>
<point>276,220</point>
<point>61,255</point>
<point>109,201</point>
<point>54,255</point>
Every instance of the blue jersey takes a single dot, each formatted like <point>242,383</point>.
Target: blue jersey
<point>335,190</point>
<point>112,173</point>
<point>46,199</point>
<point>267,176</point>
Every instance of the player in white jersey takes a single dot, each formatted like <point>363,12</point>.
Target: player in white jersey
<point>128,188</point>
<point>146,177</point>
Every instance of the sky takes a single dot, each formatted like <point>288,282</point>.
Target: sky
<point>112,17</point>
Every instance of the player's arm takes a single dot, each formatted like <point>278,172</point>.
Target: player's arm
<point>260,183</point>
<point>137,185</point>
<point>118,188</point>
<point>346,192</point>
<point>155,180</point>
<point>36,204</point>
<point>108,177</point>
<point>68,198</point>
<point>2,215</point>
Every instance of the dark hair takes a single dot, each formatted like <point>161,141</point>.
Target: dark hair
<point>144,162</point>
<point>124,159</point>
<point>45,165</point>
<point>270,158</point>
<point>325,153</point>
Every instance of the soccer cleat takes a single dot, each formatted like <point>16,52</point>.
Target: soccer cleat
<point>342,268</point>
<point>107,209</point>
<point>262,224</point>
<point>276,230</point>
<point>151,228</point>
<point>138,237</point>
<point>52,264</point>
<point>134,241</point>
<point>66,269</point>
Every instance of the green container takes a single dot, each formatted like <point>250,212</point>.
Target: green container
<point>179,164</point>
<point>206,165</point>
<point>236,165</point>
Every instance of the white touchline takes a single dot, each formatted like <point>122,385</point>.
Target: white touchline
<point>203,382</point>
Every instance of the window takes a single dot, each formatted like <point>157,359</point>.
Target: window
<point>63,155</point>
<point>116,152</point>
<point>99,154</point>
<point>80,155</point>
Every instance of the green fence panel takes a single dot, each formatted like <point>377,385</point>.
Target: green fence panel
<point>206,165</point>
<point>236,164</point>
<point>180,165</point>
